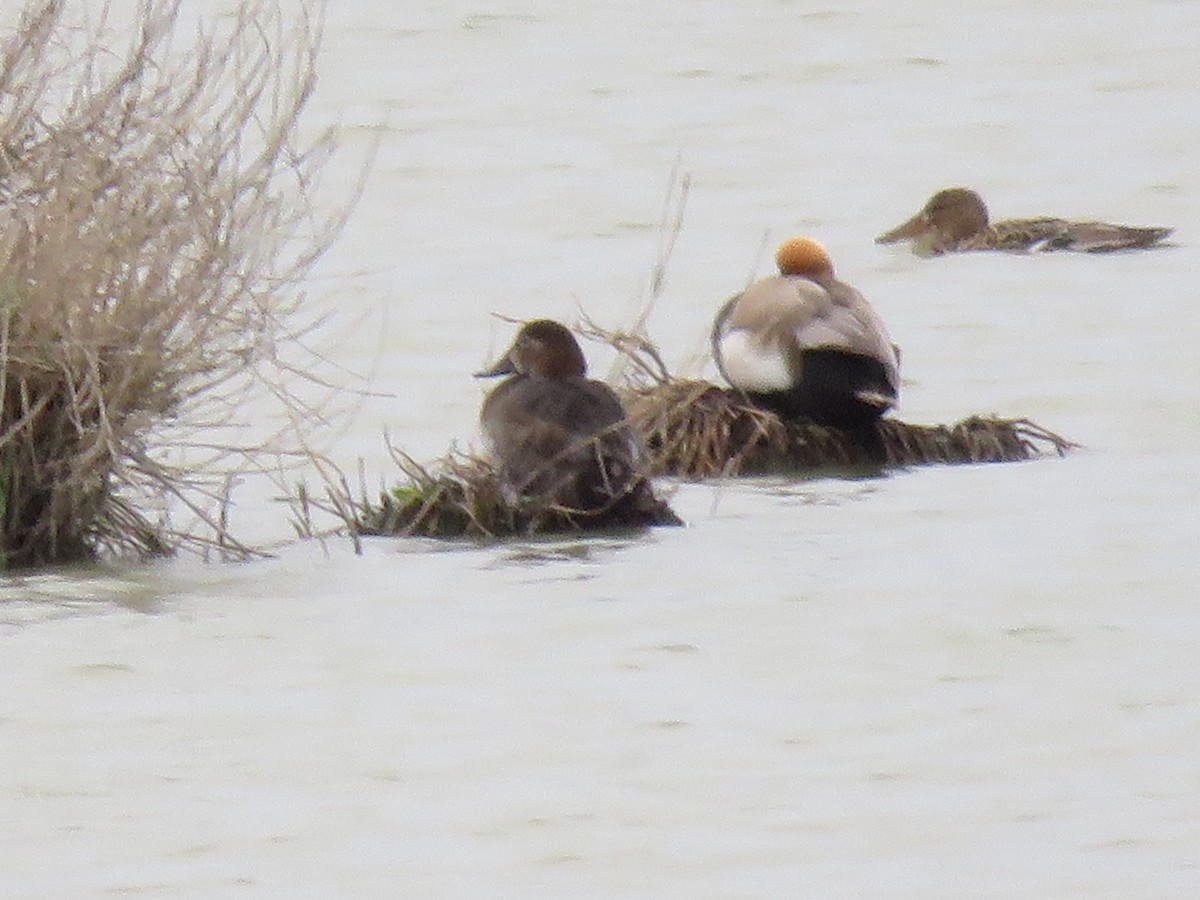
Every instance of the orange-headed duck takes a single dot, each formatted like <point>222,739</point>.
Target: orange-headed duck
<point>807,345</point>
<point>956,219</point>
<point>559,437</point>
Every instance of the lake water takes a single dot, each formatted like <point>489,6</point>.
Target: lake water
<point>949,682</point>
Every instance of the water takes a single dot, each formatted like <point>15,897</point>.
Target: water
<point>967,682</point>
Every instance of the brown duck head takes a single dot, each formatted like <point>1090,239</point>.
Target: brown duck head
<point>542,347</point>
<point>950,216</point>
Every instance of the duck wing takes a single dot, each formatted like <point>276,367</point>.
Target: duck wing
<point>1044,235</point>
<point>851,324</point>
<point>566,439</point>
<point>1102,237</point>
<point>1019,235</point>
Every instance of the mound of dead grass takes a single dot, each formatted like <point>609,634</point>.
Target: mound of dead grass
<point>695,429</point>
<point>155,223</point>
<point>462,496</point>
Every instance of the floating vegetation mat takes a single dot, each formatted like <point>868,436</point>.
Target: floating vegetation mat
<point>463,497</point>
<point>695,430</point>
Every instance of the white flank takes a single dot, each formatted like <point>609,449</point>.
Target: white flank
<point>751,365</point>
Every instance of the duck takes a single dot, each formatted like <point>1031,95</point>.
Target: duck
<point>806,345</point>
<point>956,219</point>
<point>560,438</point>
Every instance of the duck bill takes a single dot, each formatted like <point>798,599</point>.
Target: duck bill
<point>502,366</point>
<point>914,227</point>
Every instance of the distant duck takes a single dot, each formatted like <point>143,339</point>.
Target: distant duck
<point>559,437</point>
<point>806,345</point>
<point>956,219</point>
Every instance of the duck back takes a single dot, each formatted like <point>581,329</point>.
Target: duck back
<point>817,351</point>
<point>563,441</point>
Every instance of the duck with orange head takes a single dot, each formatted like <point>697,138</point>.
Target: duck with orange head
<point>807,345</point>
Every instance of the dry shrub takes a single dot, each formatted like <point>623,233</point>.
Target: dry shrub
<point>156,219</point>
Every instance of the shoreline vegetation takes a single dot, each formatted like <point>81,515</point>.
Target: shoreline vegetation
<point>157,223</point>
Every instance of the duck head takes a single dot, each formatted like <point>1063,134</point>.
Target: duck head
<point>542,347</point>
<point>951,215</point>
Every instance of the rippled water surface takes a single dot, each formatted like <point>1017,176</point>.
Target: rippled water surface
<point>949,682</point>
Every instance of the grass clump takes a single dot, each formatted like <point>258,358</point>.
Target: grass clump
<point>463,496</point>
<point>695,429</point>
<point>155,223</point>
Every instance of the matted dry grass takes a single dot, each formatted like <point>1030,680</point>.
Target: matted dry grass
<point>155,223</point>
<point>695,429</point>
<point>461,496</point>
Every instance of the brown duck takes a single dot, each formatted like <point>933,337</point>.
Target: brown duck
<point>559,437</point>
<point>956,220</point>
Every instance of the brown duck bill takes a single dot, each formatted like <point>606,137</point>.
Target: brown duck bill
<point>914,227</point>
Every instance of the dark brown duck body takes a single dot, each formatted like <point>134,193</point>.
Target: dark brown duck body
<point>559,437</point>
<point>955,220</point>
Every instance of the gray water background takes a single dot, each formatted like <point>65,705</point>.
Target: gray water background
<point>949,682</point>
